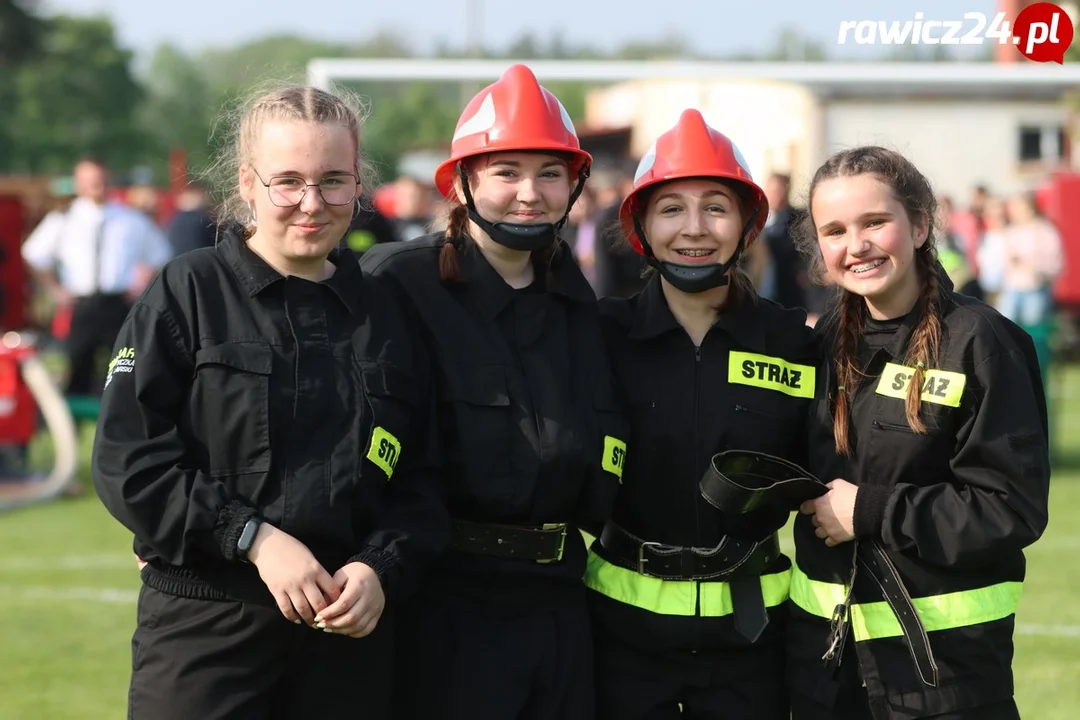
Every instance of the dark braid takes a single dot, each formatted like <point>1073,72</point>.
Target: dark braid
<point>926,338</point>
<point>849,331</point>
<point>457,228</point>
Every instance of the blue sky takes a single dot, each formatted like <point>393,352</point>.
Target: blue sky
<point>726,26</point>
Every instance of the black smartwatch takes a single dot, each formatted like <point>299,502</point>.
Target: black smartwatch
<point>247,537</point>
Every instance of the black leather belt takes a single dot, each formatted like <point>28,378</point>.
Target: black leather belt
<point>732,558</point>
<point>540,543</point>
<point>738,562</point>
<point>739,481</point>
<point>873,558</point>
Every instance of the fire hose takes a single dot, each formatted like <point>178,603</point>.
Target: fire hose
<point>58,421</point>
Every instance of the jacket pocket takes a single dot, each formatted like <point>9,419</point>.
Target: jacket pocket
<point>230,398</point>
<point>770,423</point>
<point>902,455</point>
<point>392,399</point>
<point>476,420</point>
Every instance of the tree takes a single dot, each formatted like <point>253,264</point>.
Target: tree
<point>179,110</point>
<point>407,117</point>
<point>22,32</point>
<point>79,97</point>
<point>791,46</point>
<point>668,47</point>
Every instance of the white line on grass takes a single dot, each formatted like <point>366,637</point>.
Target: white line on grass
<point>68,562</point>
<point>88,594</point>
<point>1049,630</point>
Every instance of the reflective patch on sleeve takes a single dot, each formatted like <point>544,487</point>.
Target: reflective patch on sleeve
<point>385,450</point>
<point>942,387</point>
<point>614,456</point>
<point>771,373</point>
<point>360,240</point>
<point>124,362</point>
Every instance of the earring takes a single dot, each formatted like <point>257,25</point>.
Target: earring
<point>254,222</point>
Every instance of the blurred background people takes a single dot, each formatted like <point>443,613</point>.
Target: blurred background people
<point>192,226</point>
<point>94,259</point>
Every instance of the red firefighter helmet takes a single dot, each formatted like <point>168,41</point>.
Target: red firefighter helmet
<point>513,114</point>
<point>691,149</point>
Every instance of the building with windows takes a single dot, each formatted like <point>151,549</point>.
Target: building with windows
<point>1004,126</point>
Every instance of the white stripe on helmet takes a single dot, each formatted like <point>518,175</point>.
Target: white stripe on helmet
<point>647,161</point>
<point>482,121</point>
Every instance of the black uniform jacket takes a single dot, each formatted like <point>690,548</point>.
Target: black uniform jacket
<point>953,508</point>
<point>526,412</point>
<point>749,386</point>
<point>235,391</point>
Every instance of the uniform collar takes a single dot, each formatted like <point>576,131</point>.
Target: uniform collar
<point>492,294</point>
<point>255,275</point>
<point>653,317</point>
<point>897,346</point>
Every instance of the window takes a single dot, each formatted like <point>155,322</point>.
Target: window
<point>1042,143</point>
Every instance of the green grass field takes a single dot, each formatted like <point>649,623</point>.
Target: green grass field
<point>68,585</point>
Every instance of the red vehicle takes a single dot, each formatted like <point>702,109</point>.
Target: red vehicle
<point>28,395</point>
<point>1059,200</point>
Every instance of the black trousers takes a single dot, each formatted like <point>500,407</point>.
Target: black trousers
<point>241,661</point>
<point>95,322</point>
<point>852,703</point>
<point>745,683</point>
<point>458,664</point>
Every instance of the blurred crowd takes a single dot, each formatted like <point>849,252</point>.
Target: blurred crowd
<point>96,254</point>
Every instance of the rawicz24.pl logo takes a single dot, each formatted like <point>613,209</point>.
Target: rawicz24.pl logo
<point>1042,32</point>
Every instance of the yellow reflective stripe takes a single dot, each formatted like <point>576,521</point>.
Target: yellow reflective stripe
<point>385,450</point>
<point>942,387</point>
<point>940,612</point>
<point>614,456</point>
<point>716,596</point>
<point>771,373</point>
<point>876,620</point>
<point>814,596</point>
<point>671,597</point>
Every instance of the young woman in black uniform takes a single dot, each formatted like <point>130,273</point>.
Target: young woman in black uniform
<point>688,601</point>
<point>532,443</point>
<point>264,434</point>
<point>930,429</point>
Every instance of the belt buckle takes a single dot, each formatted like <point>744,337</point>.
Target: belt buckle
<point>562,540</point>
<point>641,559</point>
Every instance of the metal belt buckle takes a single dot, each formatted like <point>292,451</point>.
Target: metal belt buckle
<point>641,559</point>
<point>562,541</point>
<point>837,631</point>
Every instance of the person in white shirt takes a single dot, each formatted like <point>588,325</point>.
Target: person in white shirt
<point>95,258</point>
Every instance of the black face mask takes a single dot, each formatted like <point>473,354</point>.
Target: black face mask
<point>694,278</point>
<point>528,237</point>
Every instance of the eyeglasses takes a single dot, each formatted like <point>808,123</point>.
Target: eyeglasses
<point>289,190</point>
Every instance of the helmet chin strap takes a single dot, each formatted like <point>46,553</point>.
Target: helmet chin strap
<point>695,278</point>
<point>526,237</point>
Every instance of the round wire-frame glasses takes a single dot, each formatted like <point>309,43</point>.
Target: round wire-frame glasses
<point>289,190</point>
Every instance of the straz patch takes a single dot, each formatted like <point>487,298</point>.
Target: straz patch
<point>124,362</point>
<point>385,450</point>
<point>614,456</point>
<point>771,373</point>
<point>941,387</point>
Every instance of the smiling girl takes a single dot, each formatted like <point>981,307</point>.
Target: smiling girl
<point>688,602</point>
<point>532,445</point>
<point>930,426</point>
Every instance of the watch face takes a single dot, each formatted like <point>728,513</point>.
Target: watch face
<point>247,537</point>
